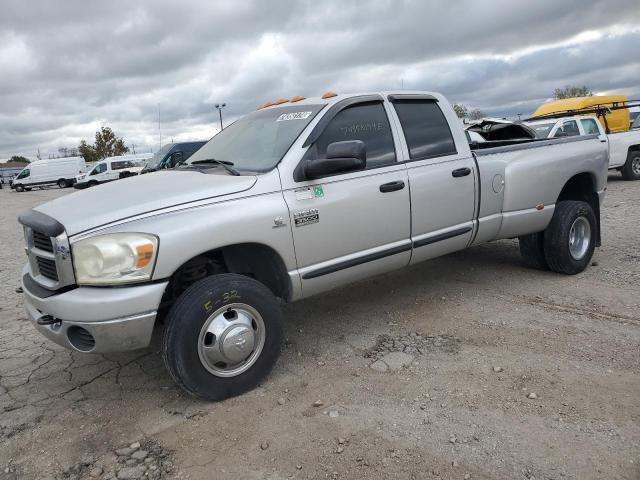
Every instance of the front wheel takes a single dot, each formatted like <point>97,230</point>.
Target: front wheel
<point>569,240</point>
<point>19,188</point>
<point>62,183</point>
<point>631,168</point>
<point>222,336</point>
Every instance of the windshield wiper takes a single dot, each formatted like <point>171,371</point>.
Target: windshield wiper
<point>228,166</point>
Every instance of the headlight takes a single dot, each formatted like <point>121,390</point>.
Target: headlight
<point>115,258</point>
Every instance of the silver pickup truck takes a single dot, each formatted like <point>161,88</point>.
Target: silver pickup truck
<point>292,200</point>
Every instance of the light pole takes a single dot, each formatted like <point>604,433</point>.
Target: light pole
<point>220,106</point>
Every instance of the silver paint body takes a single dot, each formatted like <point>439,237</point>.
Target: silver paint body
<point>193,213</point>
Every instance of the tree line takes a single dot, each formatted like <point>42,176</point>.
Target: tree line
<point>569,91</point>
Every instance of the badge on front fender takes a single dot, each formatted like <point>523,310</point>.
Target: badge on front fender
<point>306,217</point>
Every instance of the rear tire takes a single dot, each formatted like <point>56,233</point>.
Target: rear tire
<point>570,238</point>
<point>631,169</point>
<point>532,250</point>
<point>222,336</point>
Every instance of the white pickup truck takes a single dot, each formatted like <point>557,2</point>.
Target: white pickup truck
<point>112,168</point>
<point>294,199</point>
<point>624,147</point>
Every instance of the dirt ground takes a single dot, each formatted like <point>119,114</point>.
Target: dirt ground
<point>423,373</point>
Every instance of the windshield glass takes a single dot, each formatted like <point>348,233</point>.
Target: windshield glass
<point>258,141</point>
<point>542,129</point>
<point>159,155</point>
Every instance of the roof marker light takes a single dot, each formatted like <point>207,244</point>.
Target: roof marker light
<point>329,94</point>
<point>297,98</point>
<point>282,100</point>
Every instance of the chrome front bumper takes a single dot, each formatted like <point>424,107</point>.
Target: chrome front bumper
<point>116,319</point>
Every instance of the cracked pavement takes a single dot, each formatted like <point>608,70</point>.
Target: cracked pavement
<point>447,413</point>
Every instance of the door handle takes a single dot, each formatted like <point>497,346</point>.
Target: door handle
<point>461,172</point>
<point>392,186</point>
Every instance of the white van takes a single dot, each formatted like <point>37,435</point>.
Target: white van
<point>52,171</point>
<point>112,168</point>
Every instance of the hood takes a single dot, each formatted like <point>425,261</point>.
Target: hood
<point>132,196</point>
<point>493,129</point>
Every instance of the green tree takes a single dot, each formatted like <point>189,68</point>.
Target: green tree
<point>19,159</point>
<point>106,145</point>
<point>461,110</point>
<point>571,91</point>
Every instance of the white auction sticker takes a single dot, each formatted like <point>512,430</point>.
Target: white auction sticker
<point>293,116</point>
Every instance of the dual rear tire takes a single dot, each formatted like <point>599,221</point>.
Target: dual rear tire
<point>567,244</point>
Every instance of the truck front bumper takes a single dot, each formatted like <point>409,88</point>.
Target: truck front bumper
<point>96,319</point>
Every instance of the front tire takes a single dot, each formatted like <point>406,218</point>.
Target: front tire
<point>62,183</point>
<point>222,336</point>
<point>631,168</point>
<point>92,183</point>
<point>532,250</point>
<point>19,188</point>
<point>569,240</point>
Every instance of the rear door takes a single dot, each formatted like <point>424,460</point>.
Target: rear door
<point>351,225</point>
<point>442,180</point>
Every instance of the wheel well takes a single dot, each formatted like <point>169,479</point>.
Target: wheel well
<point>582,187</point>
<point>633,148</point>
<point>251,259</point>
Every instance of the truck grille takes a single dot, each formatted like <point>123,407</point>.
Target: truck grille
<point>42,242</point>
<point>47,268</point>
<point>49,259</point>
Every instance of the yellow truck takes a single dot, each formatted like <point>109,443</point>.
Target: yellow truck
<point>615,119</point>
<point>612,111</point>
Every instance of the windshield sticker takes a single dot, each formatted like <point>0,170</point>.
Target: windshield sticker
<point>293,116</point>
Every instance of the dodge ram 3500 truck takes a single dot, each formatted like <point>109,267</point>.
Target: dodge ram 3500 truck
<point>294,199</point>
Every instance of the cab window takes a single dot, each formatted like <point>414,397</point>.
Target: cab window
<point>568,129</point>
<point>365,122</point>
<point>425,128</point>
<point>99,169</point>
<point>590,127</point>
<point>24,174</point>
<point>177,158</point>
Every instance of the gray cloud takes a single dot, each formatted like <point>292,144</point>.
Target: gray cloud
<point>69,67</point>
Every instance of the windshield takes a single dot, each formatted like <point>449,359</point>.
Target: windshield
<point>542,129</point>
<point>159,155</point>
<point>258,141</point>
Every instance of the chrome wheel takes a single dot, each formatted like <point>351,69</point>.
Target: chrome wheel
<point>635,166</point>
<point>579,238</point>
<point>231,340</point>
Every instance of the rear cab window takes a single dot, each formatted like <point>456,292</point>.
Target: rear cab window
<point>367,122</point>
<point>425,128</point>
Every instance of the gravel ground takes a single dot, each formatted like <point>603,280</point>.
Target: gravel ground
<point>466,367</point>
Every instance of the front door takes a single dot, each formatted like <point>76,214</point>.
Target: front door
<point>442,181</point>
<point>352,225</point>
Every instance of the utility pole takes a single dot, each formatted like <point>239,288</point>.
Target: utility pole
<point>220,106</point>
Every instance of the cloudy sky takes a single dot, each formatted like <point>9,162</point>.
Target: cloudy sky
<point>67,68</point>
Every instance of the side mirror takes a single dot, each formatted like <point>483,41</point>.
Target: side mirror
<point>342,157</point>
